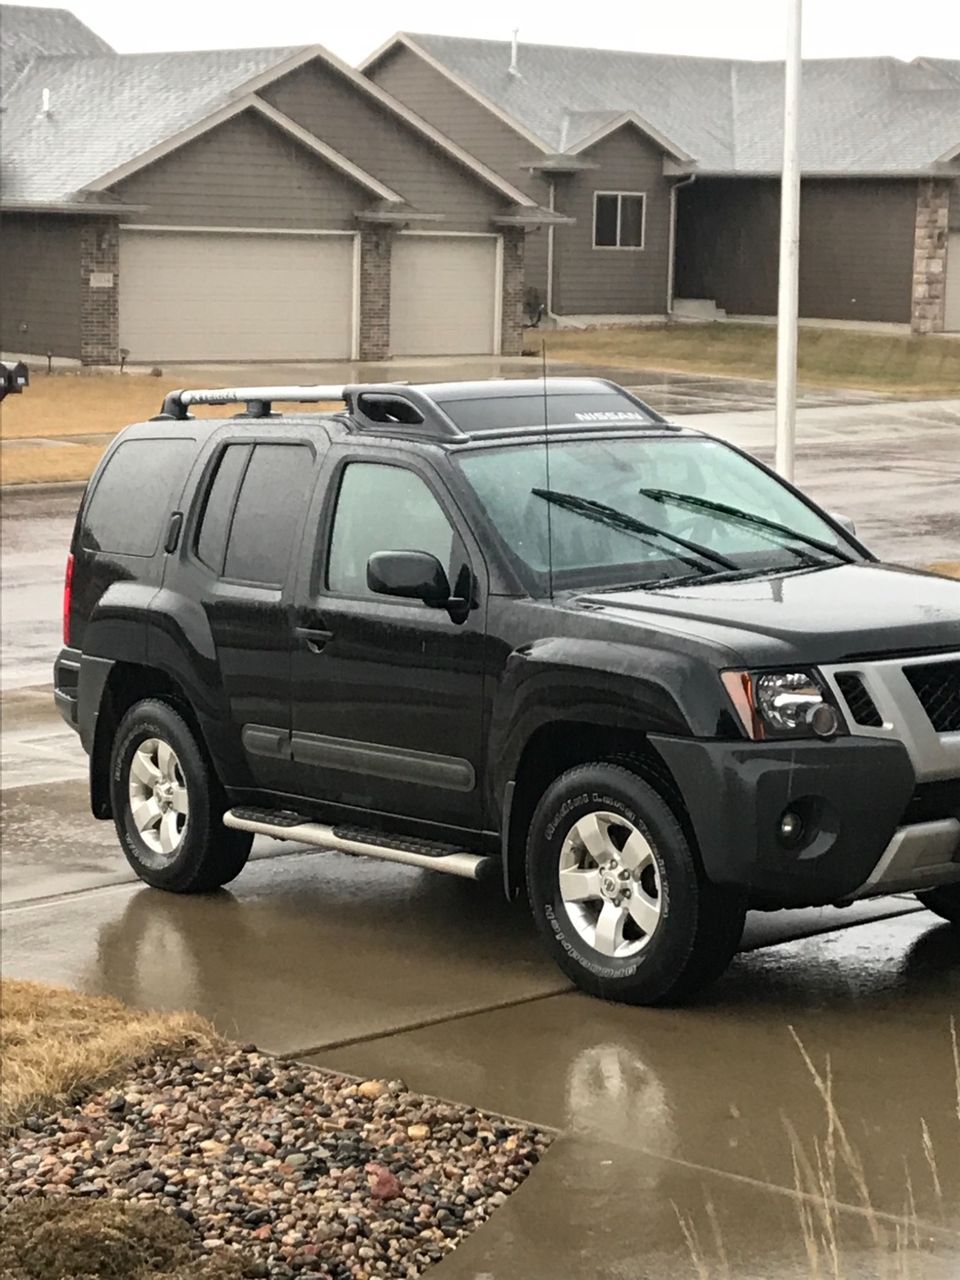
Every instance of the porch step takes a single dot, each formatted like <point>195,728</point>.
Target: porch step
<point>283,824</point>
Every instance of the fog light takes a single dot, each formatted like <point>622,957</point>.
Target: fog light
<point>791,827</point>
<point>824,721</point>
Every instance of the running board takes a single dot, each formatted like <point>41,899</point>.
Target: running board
<point>432,856</point>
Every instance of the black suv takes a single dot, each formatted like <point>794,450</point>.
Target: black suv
<point>520,629</point>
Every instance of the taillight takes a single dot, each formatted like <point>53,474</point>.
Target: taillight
<point>67,599</point>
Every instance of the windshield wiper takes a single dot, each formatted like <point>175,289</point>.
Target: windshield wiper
<point>667,496</point>
<point>603,514</point>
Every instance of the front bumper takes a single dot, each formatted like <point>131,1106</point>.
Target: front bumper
<point>869,828</point>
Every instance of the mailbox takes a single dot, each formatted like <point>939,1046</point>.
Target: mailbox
<point>14,376</point>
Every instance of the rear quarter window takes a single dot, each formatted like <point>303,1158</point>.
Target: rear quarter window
<point>134,496</point>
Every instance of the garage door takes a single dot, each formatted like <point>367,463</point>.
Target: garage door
<point>952,318</point>
<point>195,296</point>
<point>444,295</point>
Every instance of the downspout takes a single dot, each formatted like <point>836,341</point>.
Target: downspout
<point>672,248</point>
<point>552,206</point>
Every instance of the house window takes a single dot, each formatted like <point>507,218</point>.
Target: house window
<point>618,219</point>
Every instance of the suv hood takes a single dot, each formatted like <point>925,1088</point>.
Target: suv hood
<point>817,615</point>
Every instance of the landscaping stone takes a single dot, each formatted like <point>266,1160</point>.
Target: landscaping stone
<point>297,1171</point>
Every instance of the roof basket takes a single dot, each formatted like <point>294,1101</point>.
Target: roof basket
<point>258,400</point>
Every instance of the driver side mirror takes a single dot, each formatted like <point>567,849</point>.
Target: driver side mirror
<point>845,523</point>
<point>412,575</point>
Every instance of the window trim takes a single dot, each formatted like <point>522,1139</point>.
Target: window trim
<point>320,574</point>
<point>205,487</point>
<point>618,247</point>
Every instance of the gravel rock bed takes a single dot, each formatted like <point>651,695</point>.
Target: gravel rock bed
<point>304,1172</point>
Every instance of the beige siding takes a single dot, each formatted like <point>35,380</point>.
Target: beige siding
<point>470,124</point>
<point>40,285</point>
<point>593,281</point>
<point>856,247</point>
<point>327,104</point>
<point>244,173</point>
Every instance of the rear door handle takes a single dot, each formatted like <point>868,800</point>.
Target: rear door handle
<point>315,639</point>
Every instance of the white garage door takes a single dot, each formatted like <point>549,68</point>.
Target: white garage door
<point>208,296</point>
<point>952,318</point>
<point>444,296</point>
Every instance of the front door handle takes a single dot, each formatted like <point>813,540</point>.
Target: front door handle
<point>314,638</point>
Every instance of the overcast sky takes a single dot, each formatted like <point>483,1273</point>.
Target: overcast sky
<point>723,28</point>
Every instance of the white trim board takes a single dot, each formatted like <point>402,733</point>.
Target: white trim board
<point>233,231</point>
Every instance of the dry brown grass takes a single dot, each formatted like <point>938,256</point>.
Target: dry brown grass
<point>948,568</point>
<point>80,405</point>
<point>894,363</point>
<point>26,464</point>
<point>56,1044</point>
<point>70,406</point>
<point>64,1238</point>
<point>830,1184</point>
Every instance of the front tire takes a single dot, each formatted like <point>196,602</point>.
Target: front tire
<point>168,804</point>
<point>619,896</point>
<point>945,901</point>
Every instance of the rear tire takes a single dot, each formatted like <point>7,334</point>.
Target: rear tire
<point>618,895</point>
<point>945,901</point>
<point>168,804</point>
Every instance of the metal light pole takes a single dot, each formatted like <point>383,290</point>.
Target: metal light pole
<point>788,301</point>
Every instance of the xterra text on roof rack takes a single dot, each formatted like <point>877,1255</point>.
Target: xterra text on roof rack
<point>633,672</point>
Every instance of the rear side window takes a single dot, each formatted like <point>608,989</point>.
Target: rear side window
<point>274,490</point>
<point>135,495</point>
<point>215,523</point>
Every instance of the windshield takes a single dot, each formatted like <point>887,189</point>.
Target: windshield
<point>643,511</point>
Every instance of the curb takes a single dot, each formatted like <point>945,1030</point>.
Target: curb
<point>46,488</point>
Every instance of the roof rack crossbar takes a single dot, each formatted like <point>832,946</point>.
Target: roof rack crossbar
<point>258,400</point>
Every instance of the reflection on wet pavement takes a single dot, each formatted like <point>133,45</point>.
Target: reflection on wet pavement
<point>443,983</point>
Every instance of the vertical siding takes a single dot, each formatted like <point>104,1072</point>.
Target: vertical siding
<point>244,173</point>
<point>856,247</point>
<point>593,281</point>
<point>40,284</point>
<point>327,104</point>
<point>470,124</point>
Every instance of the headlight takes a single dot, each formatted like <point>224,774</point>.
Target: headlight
<point>782,704</point>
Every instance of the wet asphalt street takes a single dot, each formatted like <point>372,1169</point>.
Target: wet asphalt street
<point>708,1114</point>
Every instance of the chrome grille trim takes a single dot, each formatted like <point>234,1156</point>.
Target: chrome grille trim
<point>933,755</point>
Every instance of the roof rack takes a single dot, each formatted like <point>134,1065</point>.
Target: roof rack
<point>383,407</point>
<point>394,409</point>
<point>258,400</point>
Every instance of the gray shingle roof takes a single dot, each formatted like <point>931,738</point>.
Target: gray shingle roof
<point>27,33</point>
<point>859,115</point>
<point>108,110</point>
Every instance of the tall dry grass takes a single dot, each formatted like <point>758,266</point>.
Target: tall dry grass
<point>825,1169</point>
<point>56,1044</point>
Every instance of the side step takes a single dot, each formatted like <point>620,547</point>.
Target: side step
<point>283,825</point>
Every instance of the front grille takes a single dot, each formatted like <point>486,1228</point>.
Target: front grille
<point>937,685</point>
<point>862,706</point>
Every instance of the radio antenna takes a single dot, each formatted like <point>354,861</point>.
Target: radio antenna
<point>546,458</point>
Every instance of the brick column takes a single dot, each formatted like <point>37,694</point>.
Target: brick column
<point>100,286</point>
<point>511,315</point>
<point>376,245</point>
<point>928,307</point>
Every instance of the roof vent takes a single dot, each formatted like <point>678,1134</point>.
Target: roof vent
<point>45,107</point>
<point>514,48</point>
